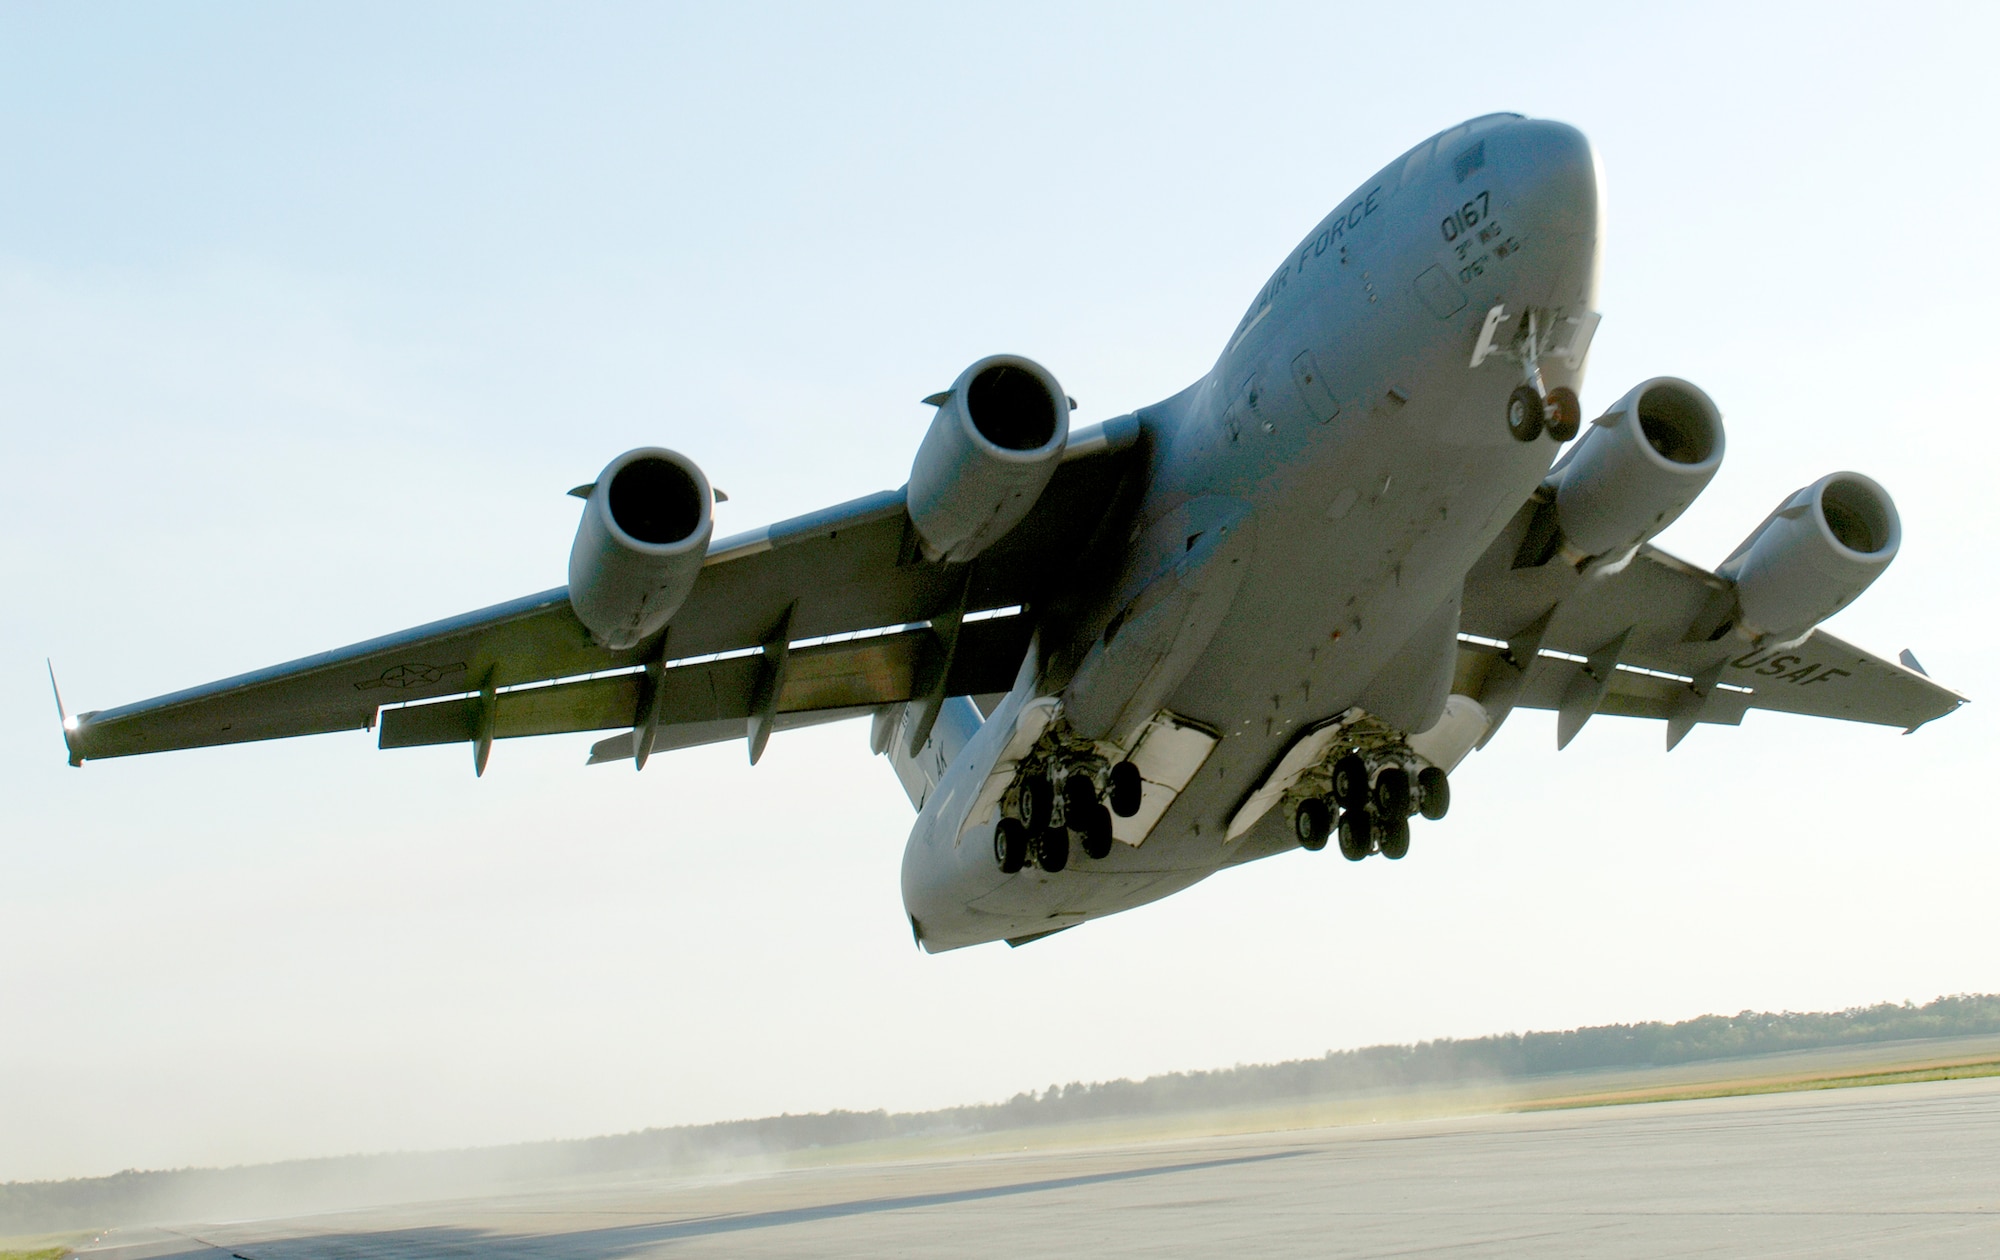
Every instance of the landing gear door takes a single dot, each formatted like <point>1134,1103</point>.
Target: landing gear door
<point>1169,752</point>
<point>1568,338</point>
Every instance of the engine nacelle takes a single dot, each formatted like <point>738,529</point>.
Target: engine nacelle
<point>997,437</point>
<point>1638,467</point>
<point>645,532</point>
<point>1813,556</point>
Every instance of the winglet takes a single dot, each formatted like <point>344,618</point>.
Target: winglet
<point>1909,660</point>
<point>583,491</point>
<point>62,715</point>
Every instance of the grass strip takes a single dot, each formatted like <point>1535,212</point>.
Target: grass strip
<point>1963,1070</point>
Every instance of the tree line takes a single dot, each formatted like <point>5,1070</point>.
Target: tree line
<point>301,1186</point>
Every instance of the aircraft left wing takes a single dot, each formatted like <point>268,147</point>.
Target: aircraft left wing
<point>817,618</point>
<point>1649,637</point>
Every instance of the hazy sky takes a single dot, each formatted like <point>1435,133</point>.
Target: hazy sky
<point>309,317</point>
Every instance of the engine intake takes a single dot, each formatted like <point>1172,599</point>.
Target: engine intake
<point>1638,467</point>
<point>997,437</point>
<point>640,546</point>
<point>1811,557</point>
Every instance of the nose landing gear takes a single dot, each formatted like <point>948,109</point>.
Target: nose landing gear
<point>1533,409</point>
<point>1526,413</point>
<point>1531,413</point>
<point>1565,413</point>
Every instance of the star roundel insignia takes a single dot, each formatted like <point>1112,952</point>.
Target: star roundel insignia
<point>411,674</point>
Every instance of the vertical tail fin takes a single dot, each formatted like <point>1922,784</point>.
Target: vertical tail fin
<point>957,721</point>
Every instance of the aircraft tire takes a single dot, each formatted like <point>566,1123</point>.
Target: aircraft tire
<point>1350,782</point>
<point>1079,796</point>
<point>1127,789</point>
<point>1037,801</point>
<point>1357,839</point>
<point>1395,839</point>
<point>1565,413</point>
<point>1433,793</point>
<point>1525,414</point>
<point>1052,849</point>
<point>1311,824</point>
<point>1095,834</point>
<point>1010,845</point>
<point>1392,793</point>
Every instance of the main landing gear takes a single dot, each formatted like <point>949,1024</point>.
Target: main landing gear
<point>1052,808</point>
<point>1369,807</point>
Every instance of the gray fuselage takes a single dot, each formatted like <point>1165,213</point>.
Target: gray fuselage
<point>1356,466</point>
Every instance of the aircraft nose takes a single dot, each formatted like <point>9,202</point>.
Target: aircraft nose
<point>1554,173</point>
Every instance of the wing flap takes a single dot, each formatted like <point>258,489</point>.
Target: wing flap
<point>706,700</point>
<point>618,748</point>
<point>1630,693</point>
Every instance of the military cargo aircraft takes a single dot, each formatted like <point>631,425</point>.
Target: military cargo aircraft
<point>1274,609</point>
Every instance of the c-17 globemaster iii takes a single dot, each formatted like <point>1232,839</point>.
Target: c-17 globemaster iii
<point>1276,608</point>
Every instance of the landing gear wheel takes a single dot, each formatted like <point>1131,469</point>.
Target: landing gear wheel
<point>1392,794</point>
<point>1079,799</point>
<point>1525,414</point>
<point>1095,834</point>
<point>1357,838</point>
<point>1037,800</point>
<point>1433,793</point>
<point>1052,850</point>
<point>1565,414</point>
<point>1395,838</point>
<point>1010,845</point>
<point>1311,823</point>
<point>1350,782</point>
<point>1127,789</point>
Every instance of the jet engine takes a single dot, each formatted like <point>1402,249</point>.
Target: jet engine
<point>1638,467</point>
<point>1813,556</point>
<point>645,531</point>
<point>997,437</point>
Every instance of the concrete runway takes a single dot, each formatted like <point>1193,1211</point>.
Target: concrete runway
<point>1899,1170</point>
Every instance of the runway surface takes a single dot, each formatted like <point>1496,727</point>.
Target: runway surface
<point>1902,1170</point>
